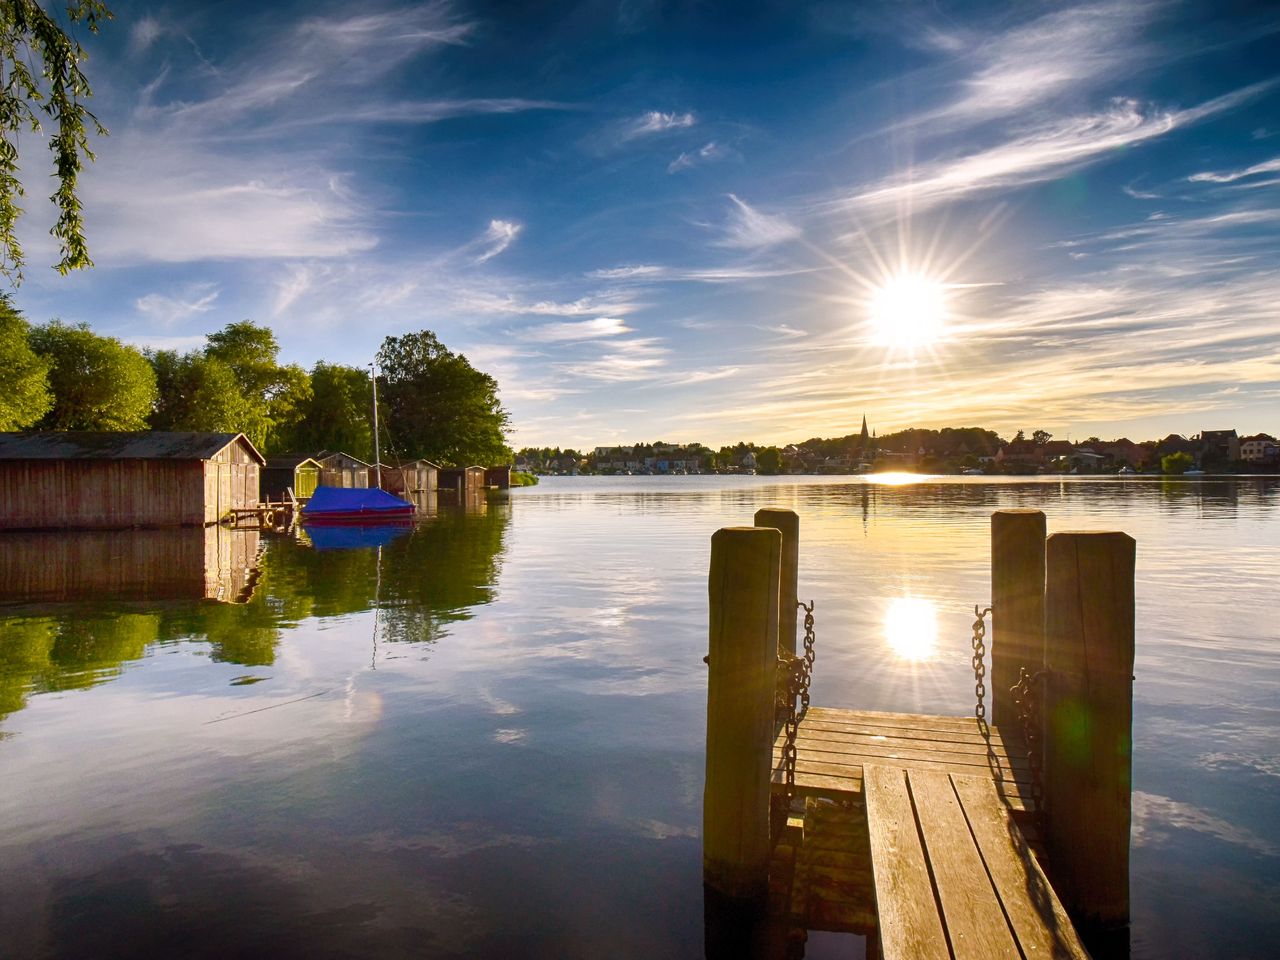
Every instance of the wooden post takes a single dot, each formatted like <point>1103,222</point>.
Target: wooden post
<point>743,590</point>
<point>788,521</point>
<point>1017,604</point>
<point>1089,627</point>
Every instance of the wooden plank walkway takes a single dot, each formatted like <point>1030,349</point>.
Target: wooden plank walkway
<point>920,829</point>
<point>833,745</point>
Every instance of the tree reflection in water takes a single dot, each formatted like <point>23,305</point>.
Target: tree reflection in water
<point>421,582</point>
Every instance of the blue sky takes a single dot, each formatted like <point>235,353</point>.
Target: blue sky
<point>669,220</point>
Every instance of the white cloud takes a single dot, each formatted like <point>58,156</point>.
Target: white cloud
<point>1040,153</point>
<point>500,235</point>
<point>1267,166</point>
<point>580,330</point>
<point>144,33</point>
<point>168,310</point>
<point>1053,54</point>
<point>707,153</point>
<point>657,122</point>
<point>748,228</point>
<point>627,361</point>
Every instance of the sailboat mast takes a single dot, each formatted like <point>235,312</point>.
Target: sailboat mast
<point>377,454</point>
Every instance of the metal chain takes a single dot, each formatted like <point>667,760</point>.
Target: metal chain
<point>795,674</point>
<point>1026,696</point>
<point>979,662</point>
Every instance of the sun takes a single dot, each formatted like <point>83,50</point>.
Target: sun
<point>911,627</point>
<point>908,311</point>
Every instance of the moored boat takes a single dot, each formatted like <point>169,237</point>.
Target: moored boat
<point>355,505</point>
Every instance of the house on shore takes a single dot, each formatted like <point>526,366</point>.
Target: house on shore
<point>82,480</point>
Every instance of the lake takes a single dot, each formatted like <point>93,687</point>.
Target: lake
<point>484,737</point>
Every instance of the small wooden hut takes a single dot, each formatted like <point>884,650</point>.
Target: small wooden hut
<point>498,477</point>
<point>342,470</point>
<point>81,480</point>
<point>294,471</point>
<point>460,481</point>
<point>406,479</point>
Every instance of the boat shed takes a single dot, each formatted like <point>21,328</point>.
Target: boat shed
<point>294,471</point>
<point>342,470</point>
<point>82,480</point>
<point>461,481</point>
<point>414,481</point>
<point>406,479</point>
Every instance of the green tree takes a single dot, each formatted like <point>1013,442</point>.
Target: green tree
<point>769,460</point>
<point>1177,463</point>
<point>274,395</point>
<point>98,383</point>
<point>336,414</point>
<point>32,42</point>
<point>24,376</point>
<point>196,393</point>
<point>438,405</point>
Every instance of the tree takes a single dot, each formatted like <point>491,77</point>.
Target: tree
<point>31,40</point>
<point>336,415</point>
<point>1020,436</point>
<point>24,376</point>
<point>196,393</point>
<point>769,460</point>
<point>98,383</point>
<point>1177,463</point>
<point>274,395</point>
<point>438,405</point>
<point>1041,437</point>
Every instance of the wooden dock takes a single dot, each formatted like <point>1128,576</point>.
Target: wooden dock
<point>935,837</point>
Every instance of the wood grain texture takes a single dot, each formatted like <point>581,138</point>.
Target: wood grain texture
<point>910,926</point>
<point>1035,914</point>
<point>974,919</point>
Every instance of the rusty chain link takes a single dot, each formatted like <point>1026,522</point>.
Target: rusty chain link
<point>795,674</point>
<point>979,662</point>
<point>1026,696</point>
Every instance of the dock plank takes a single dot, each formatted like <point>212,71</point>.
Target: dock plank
<point>909,923</point>
<point>975,921</point>
<point>1035,913</point>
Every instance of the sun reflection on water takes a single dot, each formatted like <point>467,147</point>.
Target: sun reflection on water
<point>896,479</point>
<point>911,627</point>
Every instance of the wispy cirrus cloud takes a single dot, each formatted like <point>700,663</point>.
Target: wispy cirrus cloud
<point>708,153</point>
<point>1059,52</point>
<point>1267,166</point>
<point>749,229</point>
<point>655,121</point>
<point>166,310</point>
<point>1041,153</point>
<point>626,361</point>
<point>500,235</point>
<point>653,273</point>
<point>578,330</point>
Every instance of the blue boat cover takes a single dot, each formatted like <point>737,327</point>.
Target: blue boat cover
<point>355,536</point>
<point>351,500</point>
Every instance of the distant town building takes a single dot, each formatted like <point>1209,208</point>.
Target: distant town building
<point>1260,448</point>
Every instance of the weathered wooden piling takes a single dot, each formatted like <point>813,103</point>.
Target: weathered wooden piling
<point>743,590</point>
<point>788,521</point>
<point>1017,604</point>
<point>1088,711</point>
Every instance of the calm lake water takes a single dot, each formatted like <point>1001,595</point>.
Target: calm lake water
<point>485,737</point>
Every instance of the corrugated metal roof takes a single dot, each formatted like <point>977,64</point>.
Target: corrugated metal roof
<point>140,445</point>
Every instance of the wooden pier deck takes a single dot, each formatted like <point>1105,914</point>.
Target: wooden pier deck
<point>918,831</point>
<point>924,833</point>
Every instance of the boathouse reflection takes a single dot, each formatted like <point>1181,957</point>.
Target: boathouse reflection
<point>76,608</point>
